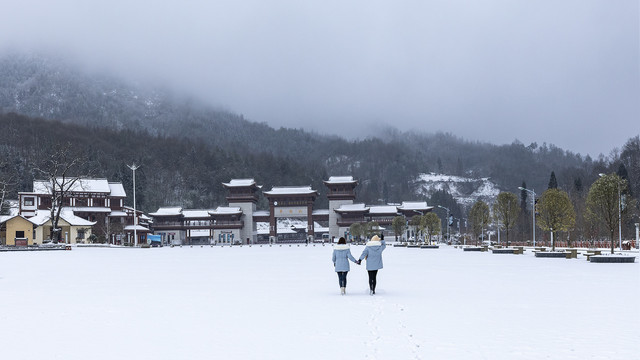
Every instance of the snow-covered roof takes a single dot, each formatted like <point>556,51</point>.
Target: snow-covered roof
<point>191,213</point>
<point>241,183</point>
<point>261,213</point>
<point>382,209</point>
<point>117,213</point>
<point>117,190</point>
<point>320,212</point>
<point>340,180</point>
<point>5,218</point>
<point>42,187</point>
<point>414,205</point>
<point>290,190</point>
<point>137,228</point>
<point>80,185</point>
<point>226,210</point>
<point>352,207</point>
<point>42,217</point>
<point>167,211</point>
<point>92,209</point>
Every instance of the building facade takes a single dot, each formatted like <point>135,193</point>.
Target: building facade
<point>95,200</point>
<point>291,216</point>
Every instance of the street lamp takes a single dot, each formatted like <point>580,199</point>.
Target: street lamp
<point>619,211</point>
<point>464,234</point>
<point>533,210</point>
<point>447,222</point>
<point>134,167</point>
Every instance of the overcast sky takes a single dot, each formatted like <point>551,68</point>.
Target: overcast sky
<point>561,72</point>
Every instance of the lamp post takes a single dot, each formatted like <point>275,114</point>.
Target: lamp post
<point>619,212</point>
<point>134,167</point>
<point>464,233</point>
<point>447,222</point>
<point>533,210</point>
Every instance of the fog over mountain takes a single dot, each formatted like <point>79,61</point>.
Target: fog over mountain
<point>189,148</point>
<point>553,72</point>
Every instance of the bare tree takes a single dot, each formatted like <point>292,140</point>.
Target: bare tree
<point>61,170</point>
<point>7,183</point>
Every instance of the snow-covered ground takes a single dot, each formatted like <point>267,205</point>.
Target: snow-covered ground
<point>284,303</point>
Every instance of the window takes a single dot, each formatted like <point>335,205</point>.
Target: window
<point>20,234</point>
<point>81,233</point>
<point>29,201</point>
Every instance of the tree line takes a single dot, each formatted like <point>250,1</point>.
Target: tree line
<point>188,170</point>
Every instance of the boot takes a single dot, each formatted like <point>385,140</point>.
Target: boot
<point>343,290</point>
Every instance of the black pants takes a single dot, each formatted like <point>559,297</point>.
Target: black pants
<point>372,279</point>
<point>342,278</point>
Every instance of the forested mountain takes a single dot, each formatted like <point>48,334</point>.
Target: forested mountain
<point>188,148</point>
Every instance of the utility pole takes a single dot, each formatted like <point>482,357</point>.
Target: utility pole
<point>134,167</point>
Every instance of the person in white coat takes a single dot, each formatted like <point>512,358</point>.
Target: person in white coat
<point>340,258</point>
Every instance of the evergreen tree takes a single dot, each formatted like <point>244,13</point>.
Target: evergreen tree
<point>624,175</point>
<point>553,183</point>
<point>577,185</point>
<point>622,172</point>
<point>524,194</point>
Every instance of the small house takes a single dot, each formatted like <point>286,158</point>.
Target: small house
<point>74,228</point>
<point>16,231</point>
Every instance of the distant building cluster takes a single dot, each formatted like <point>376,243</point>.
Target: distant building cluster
<point>291,216</point>
<point>91,208</point>
<point>94,209</point>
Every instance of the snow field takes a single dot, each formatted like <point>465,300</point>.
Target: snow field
<point>284,303</point>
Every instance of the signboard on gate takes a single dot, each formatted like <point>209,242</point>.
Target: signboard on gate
<point>290,211</point>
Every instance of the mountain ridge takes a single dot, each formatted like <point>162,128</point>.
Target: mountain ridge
<point>387,165</point>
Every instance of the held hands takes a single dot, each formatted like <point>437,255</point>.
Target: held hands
<point>359,262</point>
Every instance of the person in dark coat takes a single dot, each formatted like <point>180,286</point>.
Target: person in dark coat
<point>340,258</point>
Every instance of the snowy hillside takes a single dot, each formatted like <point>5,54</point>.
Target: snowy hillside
<point>466,191</point>
<point>288,225</point>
